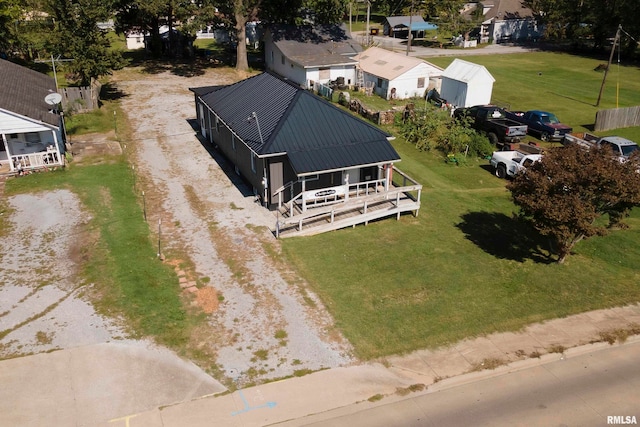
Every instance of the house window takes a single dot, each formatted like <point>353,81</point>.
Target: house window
<point>379,82</point>
<point>33,137</point>
<point>233,142</point>
<point>325,73</point>
<point>217,124</point>
<point>282,59</point>
<point>253,162</point>
<point>420,82</point>
<point>271,57</point>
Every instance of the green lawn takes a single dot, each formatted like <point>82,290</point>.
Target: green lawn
<point>562,83</point>
<point>463,267</point>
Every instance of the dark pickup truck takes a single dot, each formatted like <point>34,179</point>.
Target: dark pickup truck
<point>541,123</point>
<point>494,122</point>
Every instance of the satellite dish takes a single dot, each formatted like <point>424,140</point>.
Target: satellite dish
<point>53,98</point>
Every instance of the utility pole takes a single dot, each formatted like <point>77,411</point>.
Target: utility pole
<point>410,23</point>
<point>606,70</point>
<point>368,16</point>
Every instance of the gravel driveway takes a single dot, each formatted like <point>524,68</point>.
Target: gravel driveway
<point>270,327</point>
<point>266,324</point>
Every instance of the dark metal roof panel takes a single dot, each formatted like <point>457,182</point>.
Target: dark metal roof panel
<point>322,136</point>
<point>23,92</point>
<point>316,135</point>
<point>265,95</point>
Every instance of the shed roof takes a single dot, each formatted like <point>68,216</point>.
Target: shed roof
<point>321,45</point>
<point>465,71</point>
<point>389,65</point>
<point>23,92</point>
<point>316,135</point>
<point>394,21</point>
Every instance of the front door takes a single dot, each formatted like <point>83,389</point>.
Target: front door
<point>276,182</point>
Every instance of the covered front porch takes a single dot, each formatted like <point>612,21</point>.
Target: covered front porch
<point>24,151</point>
<point>332,208</point>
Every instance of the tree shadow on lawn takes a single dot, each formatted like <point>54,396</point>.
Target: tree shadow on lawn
<point>505,237</point>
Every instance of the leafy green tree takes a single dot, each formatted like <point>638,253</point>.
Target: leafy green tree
<point>433,128</point>
<point>565,194</point>
<point>78,37</point>
<point>148,16</point>
<point>9,14</point>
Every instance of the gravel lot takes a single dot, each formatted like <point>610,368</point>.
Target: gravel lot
<point>268,328</point>
<point>267,324</point>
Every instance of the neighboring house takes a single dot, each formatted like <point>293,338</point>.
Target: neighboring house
<point>135,40</point>
<point>398,26</point>
<point>396,76</point>
<point>31,131</point>
<point>308,55</point>
<point>296,149</point>
<point>225,34</point>
<point>507,21</point>
<point>465,84</point>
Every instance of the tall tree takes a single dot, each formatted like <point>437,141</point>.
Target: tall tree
<point>10,13</point>
<point>565,193</point>
<point>78,37</point>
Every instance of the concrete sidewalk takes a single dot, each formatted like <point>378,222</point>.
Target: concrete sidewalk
<point>357,387</point>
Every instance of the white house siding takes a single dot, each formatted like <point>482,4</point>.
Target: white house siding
<point>465,84</point>
<point>405,85</point>
<point>274,61</point>
<point>346,71</point>
<point>514,30</point>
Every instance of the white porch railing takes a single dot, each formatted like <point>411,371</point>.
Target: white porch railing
<point>43,159</point>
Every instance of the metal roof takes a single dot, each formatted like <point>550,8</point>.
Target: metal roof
<point>465,71</point>
<point>394,21</point>
<point>316,135</point>
<point>23,92</point>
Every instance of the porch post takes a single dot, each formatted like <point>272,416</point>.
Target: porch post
<point>55,145</point>
<point>6,149</point>
<point>304,196</point>
<point>346,187</point>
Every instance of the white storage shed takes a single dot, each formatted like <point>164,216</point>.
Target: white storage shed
<point>465,84</point>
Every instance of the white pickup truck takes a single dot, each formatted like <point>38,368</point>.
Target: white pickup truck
<point>621,148</point>
<point>510,163</point>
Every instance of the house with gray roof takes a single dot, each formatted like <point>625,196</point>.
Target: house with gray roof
<point>31,130</point>
<point>302,155</point>
<point>506,21</point>
<point>307,55</point>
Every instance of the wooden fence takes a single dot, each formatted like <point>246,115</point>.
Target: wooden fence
<point>616,118</point>
<point>80,99</point>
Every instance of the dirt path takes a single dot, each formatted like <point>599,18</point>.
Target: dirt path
<point>268,327</point>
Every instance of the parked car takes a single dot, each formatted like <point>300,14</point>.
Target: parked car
<point>494,122</point>
<point>542,124</point>
<point>621,147</point>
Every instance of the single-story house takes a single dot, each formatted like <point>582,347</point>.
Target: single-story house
<point>393,75</point>
<point>465,84</point>
<point>398,26</point>
<point>507,21</point>
<point>31,128</point>
<point>289,143</point>
<point>308,55</point>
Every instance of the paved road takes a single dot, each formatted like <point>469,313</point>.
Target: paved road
<point>573,391</point>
